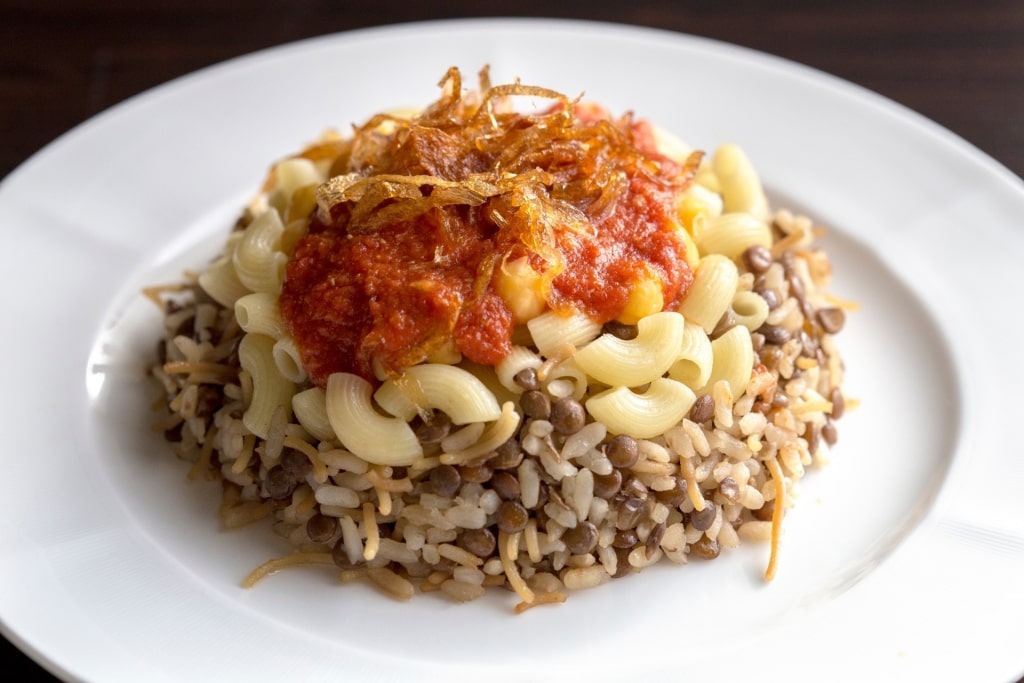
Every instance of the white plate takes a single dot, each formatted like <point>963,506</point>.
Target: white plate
<point>901,561</point>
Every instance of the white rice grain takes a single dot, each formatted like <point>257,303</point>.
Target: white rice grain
<point>351,539</point>
<point>727,537</point>
<point>579,578</point>
<point>755,531</point>
<point>529,483</point>
<point>461,591</point>
<point>466,516</point>
<point>583,441</point>
<point>393,551</point>
<point>338,496</point>
<point>583,495</point>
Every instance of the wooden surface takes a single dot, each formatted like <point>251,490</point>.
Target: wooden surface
<point>958,63</point>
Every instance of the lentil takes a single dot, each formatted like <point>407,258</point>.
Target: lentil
<point>703,409</point>
<point>622,451</point>
<point>838,403</point>
<point>829,432</point>
<point>295,464</point>
<point>527,379</point>
<point>279,483</point>
<point>581,539</point>
<point>629,512</point>
<point>729,489</point>
<point>480,542</point>
<point>505,485</point>
<point>831,319</point>
<point>654,539</point>
<point>321,528</point>
<point>621,330</point>
<point>757,259</point>
<point>622,565</point>
<point>625,538</point>
<point>773,334</point>
<point>705,548</point>
<point>512,516</point>
<point>568,415</point>
<point>508,455</point>
<point>674,496</point>
<point>434,429</point>
<point>607,485</point>
<point>477,474</point>
<point>445,480</point>
<point>703,519</point>
<point>535,404</point>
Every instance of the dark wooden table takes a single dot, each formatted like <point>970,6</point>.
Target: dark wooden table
<point>958,63</point>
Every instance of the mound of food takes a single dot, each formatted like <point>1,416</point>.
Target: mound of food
<point>488,343</point>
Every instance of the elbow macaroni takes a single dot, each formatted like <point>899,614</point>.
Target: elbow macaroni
<point>672,356</point>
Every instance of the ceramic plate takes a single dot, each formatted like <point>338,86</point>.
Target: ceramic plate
<point>902,559</point>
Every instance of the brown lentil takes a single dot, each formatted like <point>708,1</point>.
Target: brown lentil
<point>703,408</point>
<point>629,512</point>
<point>434,429</point>
<point>625,538</point>
<point>622,451</point>
<point>654,538</point>
<point>813,439</point>
<point>838,403</point>
<point>831,319</point>
<point>773,334</point>
<point>622,566</point>
<point>512,516</point>
<point>607,485</point>
<point>757,259</point>
<point>765,512</point>
<point>621,330</point>
<point>208,400</point>
<point>703,519</point>
<point>480,542</point>
<point>725,323</point>
<point>635,488</point>
<point>295,463</point>
<point>675,496</point>
<point>320,528</point>
<point>279,483</point>
<point>535,404</point>
<point>340,556</point>
<point>505,485</point>
<point>527,379</point>
<point>476,474</point>
<point>770,296</point>
<point>445,480</point>
<point>829,432</point>
<point>568,415</point>
<point>729,489</point>
<point>508,455</point>
<point>705,548</point>
<point>581,539</point>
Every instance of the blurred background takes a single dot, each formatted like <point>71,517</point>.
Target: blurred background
<point>62,62</point>
<point>958,63</point>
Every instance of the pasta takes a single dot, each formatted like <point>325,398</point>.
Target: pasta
<point>714,286</point>
<point>471,346</point>
<point>636,361</point>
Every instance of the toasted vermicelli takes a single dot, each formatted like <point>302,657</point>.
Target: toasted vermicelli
<point>495,418</point>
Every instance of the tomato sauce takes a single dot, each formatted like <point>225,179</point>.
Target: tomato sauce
<point>357,299</point>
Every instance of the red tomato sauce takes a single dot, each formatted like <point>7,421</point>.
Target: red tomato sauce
<point>397,294</point>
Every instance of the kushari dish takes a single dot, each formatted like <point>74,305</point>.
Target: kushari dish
<point>485,344</point>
